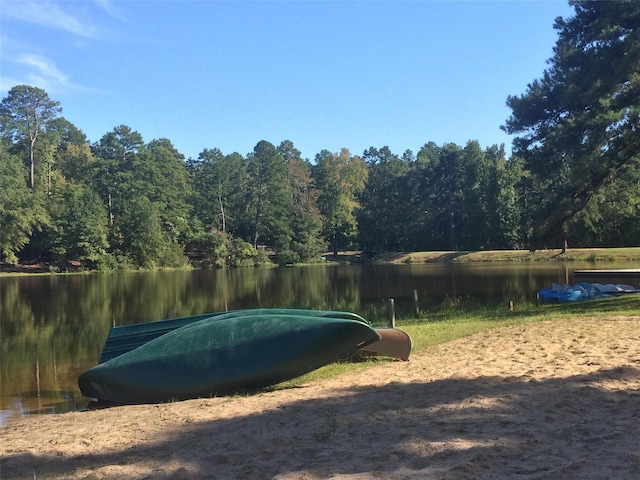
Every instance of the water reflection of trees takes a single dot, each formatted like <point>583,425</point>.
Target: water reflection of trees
<point>53,327</point>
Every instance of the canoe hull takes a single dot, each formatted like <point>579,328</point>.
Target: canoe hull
<point>217,356</point>
<point>123,339</point>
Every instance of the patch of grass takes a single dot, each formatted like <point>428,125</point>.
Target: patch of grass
<point>622,254</point>
<point>434,328</point>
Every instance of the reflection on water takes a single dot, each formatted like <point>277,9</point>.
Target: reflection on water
<point>54,326</point>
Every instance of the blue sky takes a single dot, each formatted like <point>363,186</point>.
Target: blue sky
<point>325,74</point>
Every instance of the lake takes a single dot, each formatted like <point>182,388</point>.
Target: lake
<point>54,326</point>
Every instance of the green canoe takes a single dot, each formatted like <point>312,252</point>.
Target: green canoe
<point>224,353</point>
<point>125,338</point>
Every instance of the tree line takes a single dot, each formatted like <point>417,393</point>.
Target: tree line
<point>120,202</point>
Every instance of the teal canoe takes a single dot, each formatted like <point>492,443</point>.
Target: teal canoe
<point>224,353</point>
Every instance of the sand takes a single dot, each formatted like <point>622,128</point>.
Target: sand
<point>558,399</point>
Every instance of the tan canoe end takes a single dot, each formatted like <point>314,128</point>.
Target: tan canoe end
<point>393,343</point>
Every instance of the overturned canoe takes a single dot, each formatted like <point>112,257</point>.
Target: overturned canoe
<point>225,353</point>
<point>123,339</point>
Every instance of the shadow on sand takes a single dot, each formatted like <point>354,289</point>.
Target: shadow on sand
<point>489,427</point>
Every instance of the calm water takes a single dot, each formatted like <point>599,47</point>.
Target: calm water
<point>54,326</point>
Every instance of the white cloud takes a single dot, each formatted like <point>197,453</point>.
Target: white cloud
<point>49,14</point>
<point>23,61</point>
<point>38,71</point>
<point>110,8</point>
<point>44,68</point>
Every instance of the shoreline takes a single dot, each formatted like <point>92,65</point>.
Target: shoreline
<point>592,255</point>
<point>550,399</point>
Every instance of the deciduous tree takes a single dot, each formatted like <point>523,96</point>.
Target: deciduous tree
<point>21,211</point>
<point>340,179</point>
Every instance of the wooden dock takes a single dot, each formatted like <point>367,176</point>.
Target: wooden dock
<point>623,272</point>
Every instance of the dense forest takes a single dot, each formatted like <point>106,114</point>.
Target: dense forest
<point>122,202</point>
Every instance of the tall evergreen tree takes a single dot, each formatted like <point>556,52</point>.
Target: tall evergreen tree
<point>24,115</point>
<point>271,201</point>
<point>115,167</point>
<point>578,125</point>
<point>165,181</point>
<point>305,218</point>
<point>383,203</point>
<point>219,182</point>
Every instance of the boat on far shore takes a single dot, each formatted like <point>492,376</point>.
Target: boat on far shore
<point>620,272</point>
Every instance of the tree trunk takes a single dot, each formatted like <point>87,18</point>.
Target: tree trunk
<point>33,163</point>
<point>224,219</point>
<point>110,210</point>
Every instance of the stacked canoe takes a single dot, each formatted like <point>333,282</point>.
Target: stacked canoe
<point>220,353</point>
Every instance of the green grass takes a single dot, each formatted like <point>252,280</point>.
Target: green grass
<point>453,324</point>
<point>609,255</point>
<point>445,326</point>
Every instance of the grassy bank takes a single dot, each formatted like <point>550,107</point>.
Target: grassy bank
<point>436,328</point>
<point>449,325</point>
<point>626,254</point>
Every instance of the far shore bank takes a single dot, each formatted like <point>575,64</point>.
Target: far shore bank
<point>593,255</point>
<point>630,255</point>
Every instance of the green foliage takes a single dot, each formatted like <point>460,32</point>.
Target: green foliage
<point>243,254</point>
<point>114,175</point>
<point>120,203</point>
<point>209,249</point>
<point>21,210</point>
<point>76,163</point>
<point>142,239</point>
<point>305,242</point>
<point>271,202</point>
<point>163,178</point>
<point>217,249</point>
<point>383,202</point>
<point>340,178</point>
<point>113,262</point>
<point>578,124</point>
<point>612,216</point>
<point>219,182</point>
<point>78,227</point>
<point>24,115</point>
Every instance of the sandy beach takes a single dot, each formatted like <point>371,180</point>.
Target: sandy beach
<point>557,399</point>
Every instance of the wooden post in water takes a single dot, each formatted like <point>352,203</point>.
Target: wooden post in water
<point>416,307</point>
<point>391,323</point>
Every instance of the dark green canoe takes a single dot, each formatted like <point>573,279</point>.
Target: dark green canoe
<point>125,338</point>
<point>225,353</point>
